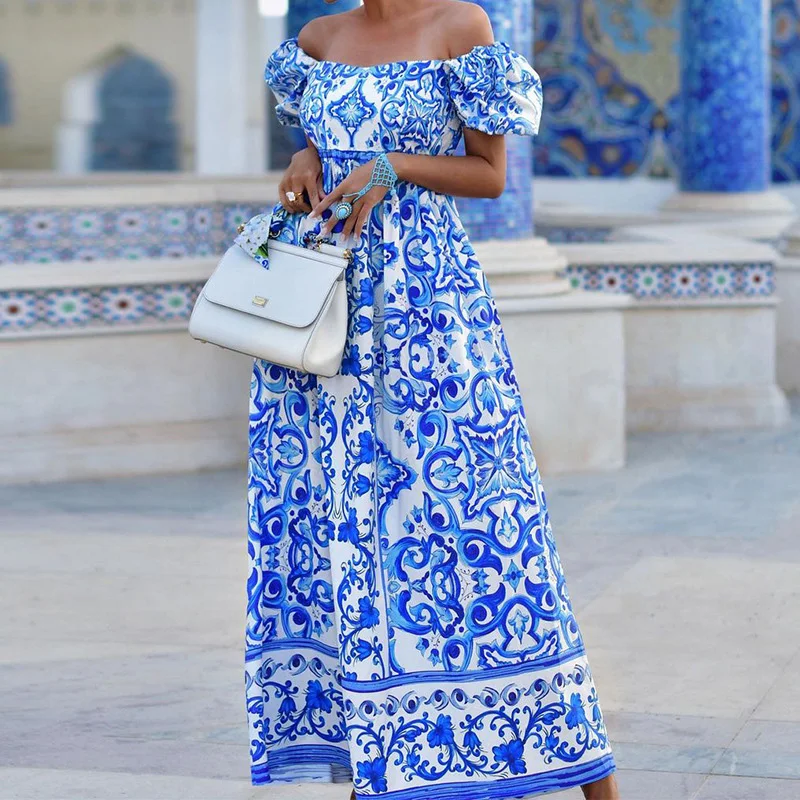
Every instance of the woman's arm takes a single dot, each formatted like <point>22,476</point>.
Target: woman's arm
<point>479,173</point>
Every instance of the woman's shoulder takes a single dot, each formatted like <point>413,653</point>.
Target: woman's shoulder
<point>468,26</point>
<point>315,34</point>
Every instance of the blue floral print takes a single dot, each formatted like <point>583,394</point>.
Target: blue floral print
<point>408,619</point>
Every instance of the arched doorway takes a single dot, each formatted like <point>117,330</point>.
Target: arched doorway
<point>135,128</point>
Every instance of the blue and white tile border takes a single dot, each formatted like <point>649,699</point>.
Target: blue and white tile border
<point>88,234</point>
<point>57,311</point>
<point>676,281</point>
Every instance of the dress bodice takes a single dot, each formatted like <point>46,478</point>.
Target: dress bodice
<point>406,106</point>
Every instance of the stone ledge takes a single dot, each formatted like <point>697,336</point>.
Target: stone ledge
<point>789,264</point>
<point>667,408</point>
<point>87,454</point>
<point>766,202</point>
<point>95,274</point>
<point>124,191</point>
<point>575,301</point>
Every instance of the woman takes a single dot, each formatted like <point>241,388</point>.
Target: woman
<point>409,625</point>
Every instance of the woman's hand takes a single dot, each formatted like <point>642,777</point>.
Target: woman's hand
<point>303,177</point>
<point>362,209</point>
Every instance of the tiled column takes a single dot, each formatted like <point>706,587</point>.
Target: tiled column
<point>511,216</point>
<point>303,11</point>
<point>725,122</point>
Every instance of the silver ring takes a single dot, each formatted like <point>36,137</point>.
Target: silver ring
<point>291,197</point>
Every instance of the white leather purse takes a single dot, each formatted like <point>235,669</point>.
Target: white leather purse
<point>287,307</point>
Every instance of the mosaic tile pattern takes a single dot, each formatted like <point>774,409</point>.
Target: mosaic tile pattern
<point>91,234</point>
<point>612,105</point>
<point>785,90</point>
<point>95,309</point>
<point>597,121</point>
<point>724,82</point>
<point>511,215</point>
<point>649,281</point>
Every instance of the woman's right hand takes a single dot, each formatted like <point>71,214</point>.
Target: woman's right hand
<point>304,179</point>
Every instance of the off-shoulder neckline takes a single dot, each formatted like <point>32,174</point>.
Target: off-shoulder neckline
<point>388,64</point>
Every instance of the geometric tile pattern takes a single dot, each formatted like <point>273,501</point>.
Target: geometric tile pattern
<point>134,233</point>
<point>676,280</point>
<point>725,96</point>
<point>95,308</point>
<point>612,104</point>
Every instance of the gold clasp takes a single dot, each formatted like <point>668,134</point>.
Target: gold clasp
<point>260,301</point>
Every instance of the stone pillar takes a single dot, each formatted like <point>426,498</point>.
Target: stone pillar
<point>511,216</point>
<point>725,120</point>
<point>222,88</point>
<point>303,11</point>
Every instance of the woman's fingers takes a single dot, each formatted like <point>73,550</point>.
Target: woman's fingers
<point>326,202</point>
<point>301,203</point>
<point>313,189</point>
<point>363,218</point>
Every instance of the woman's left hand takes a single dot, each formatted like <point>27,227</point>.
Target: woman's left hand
<point>362,209</point>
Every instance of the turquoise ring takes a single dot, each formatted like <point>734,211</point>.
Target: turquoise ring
<point>343,210</point>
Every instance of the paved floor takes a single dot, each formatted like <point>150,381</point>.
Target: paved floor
<point>120,648</point>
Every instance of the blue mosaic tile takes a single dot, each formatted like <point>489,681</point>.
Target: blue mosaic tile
<point>132,233</point>
<point>611,105</point>
<point>785,90</point>
<point>676,281</point>
<point>50,310</point>
<point>598,119</point>
<point>724,81</point>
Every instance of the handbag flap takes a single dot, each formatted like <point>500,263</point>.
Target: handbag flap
<point>292,290</point>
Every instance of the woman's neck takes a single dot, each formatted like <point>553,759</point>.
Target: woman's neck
<point>381,10</point>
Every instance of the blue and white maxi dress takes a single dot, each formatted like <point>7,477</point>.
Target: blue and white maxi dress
<point>409,625</point>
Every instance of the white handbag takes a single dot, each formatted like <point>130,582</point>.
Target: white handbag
<point>287,306</point>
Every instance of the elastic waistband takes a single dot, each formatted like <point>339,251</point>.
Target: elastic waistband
<point>356,155</point>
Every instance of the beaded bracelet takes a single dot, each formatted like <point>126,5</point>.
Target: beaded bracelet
<point>383,174</point>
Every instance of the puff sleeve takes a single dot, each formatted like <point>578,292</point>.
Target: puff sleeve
<point>495,90</point>
<point>286,74</point>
